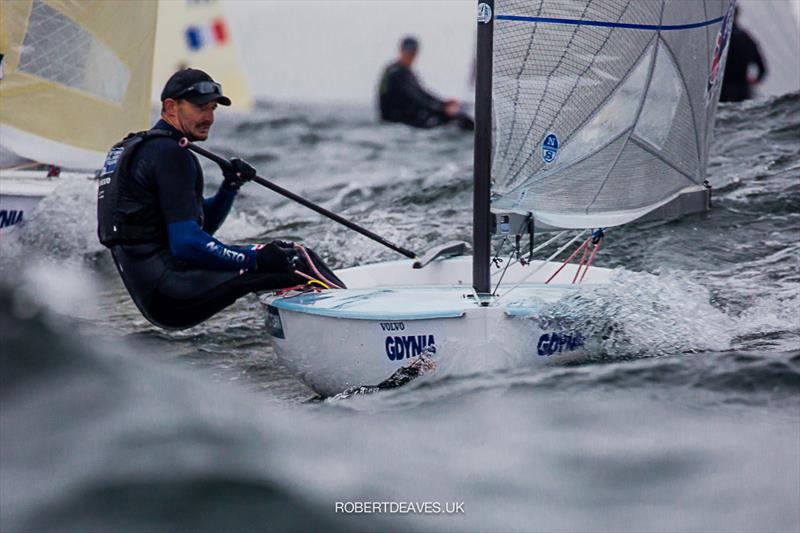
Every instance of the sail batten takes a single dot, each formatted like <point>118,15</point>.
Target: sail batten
<point>604,108</point>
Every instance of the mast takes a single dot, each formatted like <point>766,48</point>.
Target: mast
<point>481,236</point>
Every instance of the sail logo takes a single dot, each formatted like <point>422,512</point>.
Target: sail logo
<point>403,347</point>
<point>10,217</point>
<point>201,35</point>
<point>550,343</point>
<point>550,147</point>
<point>719,48</point>
<point>484,13</point>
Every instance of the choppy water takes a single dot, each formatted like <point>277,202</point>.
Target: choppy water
<point>691,422</point>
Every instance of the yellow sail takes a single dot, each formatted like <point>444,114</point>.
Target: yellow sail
<point>76,76</point>
<point>195,33</point>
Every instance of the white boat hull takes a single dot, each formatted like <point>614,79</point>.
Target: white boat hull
<point>22,190</point>
<point>334,340</point>
<point>14,209</point>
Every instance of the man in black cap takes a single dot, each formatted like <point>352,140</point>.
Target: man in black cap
<point>159,228</point>
<point>402,99</point>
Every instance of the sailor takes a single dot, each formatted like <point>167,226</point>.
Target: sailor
<point>743,53</point>
<point>402,98</point>
<point>159,228</point>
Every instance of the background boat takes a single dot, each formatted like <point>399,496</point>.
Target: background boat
<point>74,83</point>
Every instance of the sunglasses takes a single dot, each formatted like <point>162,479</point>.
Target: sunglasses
<point>201,87</point>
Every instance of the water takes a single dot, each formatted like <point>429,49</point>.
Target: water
<point>690,421</point>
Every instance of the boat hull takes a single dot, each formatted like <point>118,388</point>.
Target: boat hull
<point>333,354</point>
<point>14,209</point>
<point>20,193</point>
<point>335,340</point>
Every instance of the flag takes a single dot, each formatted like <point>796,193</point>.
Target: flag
<point>213,33</point>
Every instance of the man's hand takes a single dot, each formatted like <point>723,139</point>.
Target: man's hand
<point>275,257</point>
<point>239,172</point>
<point>452,108</point>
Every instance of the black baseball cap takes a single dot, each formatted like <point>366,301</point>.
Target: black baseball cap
<point>195,86</point>
<point>409,43</point>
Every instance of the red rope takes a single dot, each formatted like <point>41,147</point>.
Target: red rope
<point>568,259</point>
<point>591,258</point>
<point>286,290</point>
<point>580,265</point>
<point>313,267</point>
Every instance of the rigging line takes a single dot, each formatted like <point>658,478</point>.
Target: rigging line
<point>566,261</point>
<point>544,244</point>
<point>500,248</point>
<point>496,260</point>
<point>541,266</point>
<point>505,269</point>
<point>580,265</point>
<point>499,281</point>
<point>591,258</point>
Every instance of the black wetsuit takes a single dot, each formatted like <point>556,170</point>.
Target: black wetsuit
<point>742,52</point>
<point>402,99</point>
<point>181,275</point>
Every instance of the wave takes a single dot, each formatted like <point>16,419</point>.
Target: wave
<point>97,438</point>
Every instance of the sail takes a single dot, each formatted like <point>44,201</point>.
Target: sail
<point>775,26</point>
<point>604,109</point>
<point>76,77</point>
<point>195,33</point>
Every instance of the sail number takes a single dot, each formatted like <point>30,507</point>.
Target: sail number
<point>558,342</point>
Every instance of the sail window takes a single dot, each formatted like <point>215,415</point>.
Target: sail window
<point>661,102</point>
<point>56,48</point>
<point>613,118</point>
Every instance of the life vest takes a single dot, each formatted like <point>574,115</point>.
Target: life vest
<point>122,217</point>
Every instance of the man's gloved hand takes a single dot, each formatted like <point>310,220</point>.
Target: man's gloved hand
<point>237,174</point>
<point>273,257</point>
<point>286,245</point>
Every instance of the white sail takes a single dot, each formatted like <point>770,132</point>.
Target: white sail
<point>76,77</point>
<point>604,108</point>
<point>195,33</point>
<point>775,26</point>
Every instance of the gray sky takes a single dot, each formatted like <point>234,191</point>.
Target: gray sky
<point>334,50</point>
